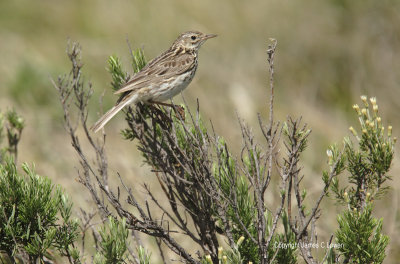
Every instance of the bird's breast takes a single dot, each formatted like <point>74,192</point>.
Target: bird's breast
<point>173,86</point>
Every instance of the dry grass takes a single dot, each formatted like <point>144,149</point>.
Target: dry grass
<point>329,53</point>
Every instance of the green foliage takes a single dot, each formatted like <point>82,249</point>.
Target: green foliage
<point>228,256</point>
<point>138,60</point>
<point>369,163</point>
<point>35,215</point>
<point>13,124</point>
<point>117,74</point>
<point>229,178</point>
<point>296,135</point>
<point>286,254</point>
<point>335,158</point>
<point>233,256</point>
<point>331,257</point>
<point>144,256</point>
<point>237,255</point>
<point>36,220</point>
<point>16,121</point>
<point>360,236</point>
<point>113,245</point>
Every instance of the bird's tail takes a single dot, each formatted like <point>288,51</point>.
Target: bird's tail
<point>113,111</point>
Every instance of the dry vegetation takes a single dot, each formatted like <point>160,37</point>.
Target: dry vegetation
<point>330,52</point>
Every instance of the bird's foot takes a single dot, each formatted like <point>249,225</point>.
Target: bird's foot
<point>179,110</point>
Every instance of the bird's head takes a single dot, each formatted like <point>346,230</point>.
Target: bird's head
<point>192,40</point>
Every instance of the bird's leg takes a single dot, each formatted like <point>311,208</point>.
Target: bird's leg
<point>179,110</point>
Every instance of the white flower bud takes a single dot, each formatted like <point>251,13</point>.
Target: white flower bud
<point>364,98</point>
<point>357,108</point>
<point>240,241</point>
<point>364,111</point>
<point>353,131</point>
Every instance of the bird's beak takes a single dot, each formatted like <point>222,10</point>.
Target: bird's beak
<point>209,36</point>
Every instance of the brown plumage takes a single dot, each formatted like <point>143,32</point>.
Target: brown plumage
<point>163,77</point>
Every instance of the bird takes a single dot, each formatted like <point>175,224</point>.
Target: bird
<point>162,78</point>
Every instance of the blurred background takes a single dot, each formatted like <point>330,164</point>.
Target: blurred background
<point>329,53</point>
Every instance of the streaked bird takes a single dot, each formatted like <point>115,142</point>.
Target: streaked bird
<point>163,77</point>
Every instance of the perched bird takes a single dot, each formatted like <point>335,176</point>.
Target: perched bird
<point>163,77</point>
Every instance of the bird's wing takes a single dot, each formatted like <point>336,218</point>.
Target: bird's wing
<point>165,66</point>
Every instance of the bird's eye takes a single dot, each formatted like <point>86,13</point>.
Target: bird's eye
<point>193,37</point>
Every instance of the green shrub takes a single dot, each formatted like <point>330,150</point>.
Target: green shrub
<point>35,216</point>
